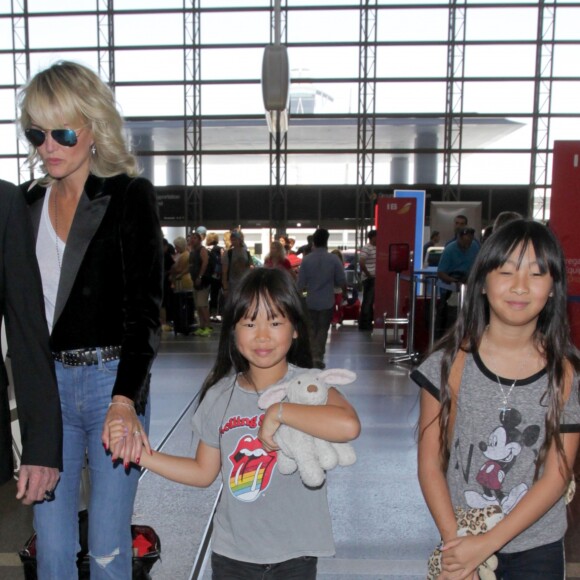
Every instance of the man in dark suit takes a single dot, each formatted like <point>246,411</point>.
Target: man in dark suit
<point>38,404</point>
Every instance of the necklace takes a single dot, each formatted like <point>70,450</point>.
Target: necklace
<point>506,396</point>
<point>56,231</point>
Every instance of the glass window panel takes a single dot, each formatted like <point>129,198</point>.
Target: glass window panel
<point>500,61</point>
<point>147,4</point>
<point>495,168</point>
<point>411,24</point>
<point>235,27</point>
<point>8,140</point>
<point>243,134</point>
<point>62,31</point>
<point>6,69</point>
<point>566,97</point>
<point>150,100</point>
<point>563,129</point>
<point>322,133</point>
<point>498,97</point>
<point>323,26</point>
<point>6,6</point>
<point>496,133</point>
<point>149,65</point>
<point>231,63</point>
<point>236,170</point>
<point>410,97</point>
<point>9,169</point>
<point>323,97</point>
<point>236,3</point>
<point>62,7</point>
<point>567,23</point>
<point>129,29</point>
<point>411,61</point>
<point>7,104</point>
<point>41,60</point>
<point>231,100</point>
<point>566,60</point>
<point>501,23</point>
<point>324,62</point>
<point>321,169</point>
<point>6,33</point>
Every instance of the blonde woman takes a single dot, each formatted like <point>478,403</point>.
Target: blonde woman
<point>99,247</point>
<point>180,276</point>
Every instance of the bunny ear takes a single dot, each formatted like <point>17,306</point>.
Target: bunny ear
<point>337,376</point>
<point>272,395</point>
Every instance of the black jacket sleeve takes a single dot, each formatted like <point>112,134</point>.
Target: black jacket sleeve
<point>35,385</point>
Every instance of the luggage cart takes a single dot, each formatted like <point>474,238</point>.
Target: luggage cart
<point>400,260</point>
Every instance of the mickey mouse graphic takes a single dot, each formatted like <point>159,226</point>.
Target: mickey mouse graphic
<point>503,446</point>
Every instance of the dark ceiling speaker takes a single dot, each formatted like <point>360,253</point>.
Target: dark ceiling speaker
<point>275,78</point>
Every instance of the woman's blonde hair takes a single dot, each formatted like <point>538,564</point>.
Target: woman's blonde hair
<point>180,243</point>
<point>68,92</point>
<point>212,239</point>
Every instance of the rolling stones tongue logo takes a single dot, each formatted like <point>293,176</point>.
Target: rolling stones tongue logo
<point>251,469</point>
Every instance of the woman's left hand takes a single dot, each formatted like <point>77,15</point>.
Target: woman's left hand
<point>130,447</point>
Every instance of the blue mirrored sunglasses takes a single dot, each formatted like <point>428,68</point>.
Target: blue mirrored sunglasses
<point>64,137</point>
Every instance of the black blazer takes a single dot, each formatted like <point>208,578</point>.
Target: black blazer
<point>112,272</point>
<point>22,306</point>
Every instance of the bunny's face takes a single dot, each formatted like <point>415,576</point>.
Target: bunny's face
<point>307,389</point>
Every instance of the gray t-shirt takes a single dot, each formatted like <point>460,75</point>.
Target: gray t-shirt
<point>493,451</point>
<point>263,517</point>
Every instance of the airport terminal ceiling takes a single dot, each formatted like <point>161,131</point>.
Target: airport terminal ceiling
<point>463,99</point>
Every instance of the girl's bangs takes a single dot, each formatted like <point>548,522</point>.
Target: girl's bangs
<point>265,300</point>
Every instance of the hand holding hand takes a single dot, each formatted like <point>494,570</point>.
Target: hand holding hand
<point>34,481</point>
<point>121,411</point>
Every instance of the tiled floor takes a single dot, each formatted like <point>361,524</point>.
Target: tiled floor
<point>381,525</point>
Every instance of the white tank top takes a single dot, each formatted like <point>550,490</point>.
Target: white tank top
<point>49,260</point>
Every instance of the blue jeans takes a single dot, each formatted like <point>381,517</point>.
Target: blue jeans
<point>223,568</point>
<point>541,563</point>
<point>85,394</point>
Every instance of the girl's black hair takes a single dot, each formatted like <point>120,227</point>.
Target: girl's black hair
<point>276,291</point>
<point>552,334</point>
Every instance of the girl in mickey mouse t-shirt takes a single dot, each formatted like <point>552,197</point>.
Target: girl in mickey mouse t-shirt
<point>266,523</point>
<point>508,438</point>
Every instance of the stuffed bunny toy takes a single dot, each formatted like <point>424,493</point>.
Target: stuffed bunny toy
<point>312,456</point>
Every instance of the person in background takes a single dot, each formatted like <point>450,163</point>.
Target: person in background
<point>198,264</point>
<point>459,223</point>
<point>434,240</point>
<point>277,258</point>
<point>320,273</point>
<point>202,231</point>
<point>167,304</point>
<point>368,267</point>
<point>305,249</point>
<point>180,277</point>
<point>338,295</point>
<point>215,255</point>
<point>453,269</point>
<point>99,247</point>
<point>22,307</point>
<point>267,525</point>
<point>236,262</point>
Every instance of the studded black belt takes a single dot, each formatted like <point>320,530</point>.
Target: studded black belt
<point>87,356</point>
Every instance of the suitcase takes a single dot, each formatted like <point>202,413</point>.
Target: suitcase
<point>183,312</point>
<point>146,551</point>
